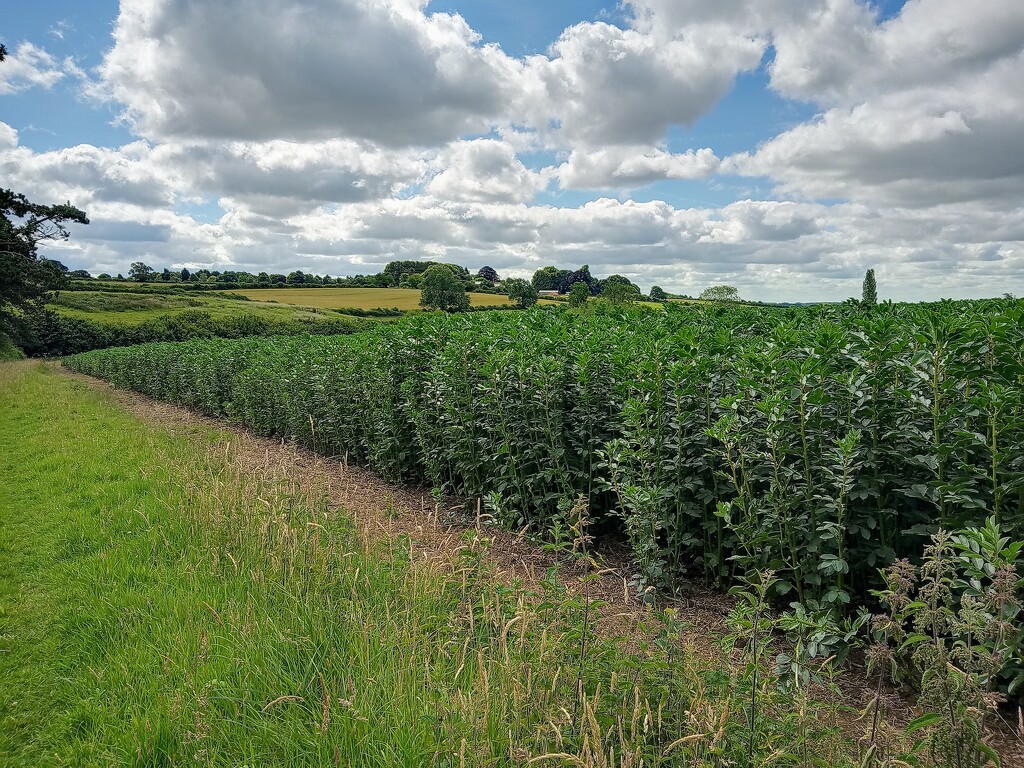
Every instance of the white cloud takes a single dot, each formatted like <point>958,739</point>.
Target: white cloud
<point>275,69</point>
<point>28,67</point>
<point>484,170</point>
<point>632,167</point>
<point>605,85</point>
<point>8,137</point>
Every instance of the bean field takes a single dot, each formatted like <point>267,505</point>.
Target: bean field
<point>821,443</point>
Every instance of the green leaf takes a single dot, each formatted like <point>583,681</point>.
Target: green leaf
<point>932,718</point>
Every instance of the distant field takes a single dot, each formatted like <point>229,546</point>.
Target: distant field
<point>133,308</point>
<point>355,298</point>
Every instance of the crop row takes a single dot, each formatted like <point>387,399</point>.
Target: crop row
<point>821,443</point>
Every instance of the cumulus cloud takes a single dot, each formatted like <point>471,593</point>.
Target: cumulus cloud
<point>274,69</point>
<point>631,167</point>
<point>606,85</point>
<point>28,67</point>
<point>920,110</point>
<point>484,170</point>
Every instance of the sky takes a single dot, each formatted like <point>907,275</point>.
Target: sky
<point>780,146</point>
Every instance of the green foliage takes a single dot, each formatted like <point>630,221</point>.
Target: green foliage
<point>578,294</point>
<point>952,628</point>
<point>441,289</point>
<point>869,292</point>
<point>820,443</point>
<point>550,279</point>
<point>490,274</point>
<point>582,275</point>
<point>658,293</point>
<point>140,272</point>
<point>720,293</point>
<point>619,293</point>
<point>521,292</point>
<point>9,350</point>
<point>612,280</point>
<point>26,279</point>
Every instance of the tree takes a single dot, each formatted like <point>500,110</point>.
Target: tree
<point>658,294</point>
<point>550,279</point>
<point>582,275</point>
<point>618,280</point>
<point>578,294</point>
<point>489,274</point>
<point>25,278</point>
<point>80,274</point>
<point>296,278</point>
<point>720,293</point>
<point>521,292</point>
<point>619,293</point>
<point>184,275</point>
<point>140,272</point>
<point>869,296</point>
<point>441,289</point>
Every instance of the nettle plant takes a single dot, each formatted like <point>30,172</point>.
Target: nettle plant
<point>951,629</point>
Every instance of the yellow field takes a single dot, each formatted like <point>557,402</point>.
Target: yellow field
<point>355,298</point>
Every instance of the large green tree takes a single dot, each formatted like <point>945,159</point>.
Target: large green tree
<point>441,289</point>
<point>25,278</point>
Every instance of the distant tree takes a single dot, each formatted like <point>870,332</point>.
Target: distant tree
<point>619,293</point>
<point>489,274</point>
<point>550,279</point>
<point>521,292</point>
<point>25,278</point>
<point>582,275</point>
<point>184,275</point>
<point>80,274</point>
<point>296,278</point>
<point>441,289</point>
<point>869,292</point>
<point>165,276</point>
<point>578,294</point>
<point>618,280</point>
<point>103,276</point>
<point>3,51</point>
<point>657,294</point>
<point>263,278</point>
<point>120,276</point>
<point>720,293</point>
<point>140,272</point>
<point>411,281</point>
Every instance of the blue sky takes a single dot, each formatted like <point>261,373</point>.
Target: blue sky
<point>781,146</point>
